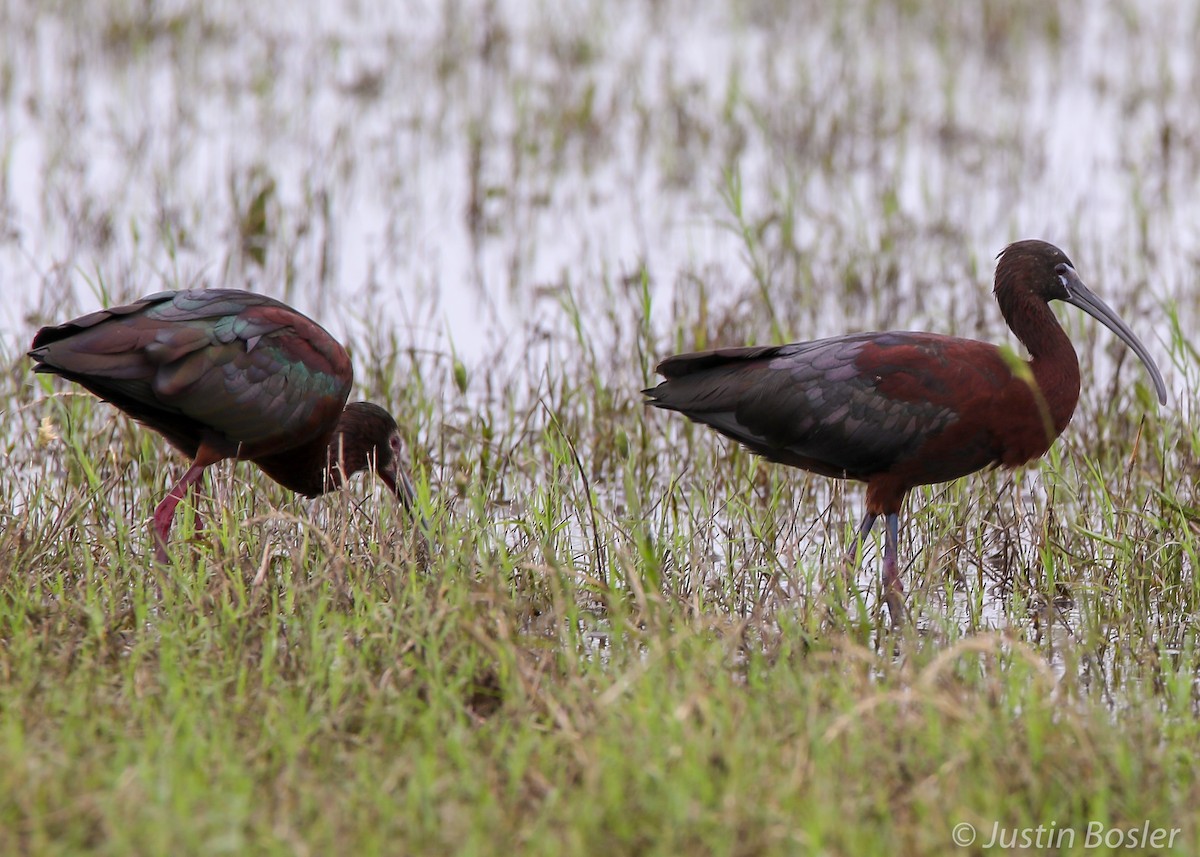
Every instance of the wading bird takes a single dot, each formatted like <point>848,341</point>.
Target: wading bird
<point>899,409</point>
<point>223,374</point>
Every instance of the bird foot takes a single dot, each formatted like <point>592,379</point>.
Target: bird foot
<point>893,597</point>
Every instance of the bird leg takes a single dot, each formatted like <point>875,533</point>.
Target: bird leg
<point>893,589</point>
<point>164,514</point>
<point>854,552</point>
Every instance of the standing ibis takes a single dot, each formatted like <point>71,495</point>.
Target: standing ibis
<point>222,373</point>
<point>899,409</point>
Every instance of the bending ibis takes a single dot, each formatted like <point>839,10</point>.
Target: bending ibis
<point>222,373</point>
<point>899,409</point>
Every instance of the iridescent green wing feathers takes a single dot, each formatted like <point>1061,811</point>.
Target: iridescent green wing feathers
<point>175,360</point>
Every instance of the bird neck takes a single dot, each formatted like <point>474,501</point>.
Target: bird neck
<point>1053,361</point>
<point>327,462</point>
<point>307,469</point>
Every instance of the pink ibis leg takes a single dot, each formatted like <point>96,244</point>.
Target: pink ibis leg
<point>164,514</point>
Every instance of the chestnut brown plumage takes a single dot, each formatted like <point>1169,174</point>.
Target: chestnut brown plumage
<point>900,409</point>
<point>222,373</point>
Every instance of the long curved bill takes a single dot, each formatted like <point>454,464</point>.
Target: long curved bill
<point>401,485</point>
<point>397,480</point>
<point>1081,296</point>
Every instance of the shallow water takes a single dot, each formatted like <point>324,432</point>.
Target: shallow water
<point>445,169</point>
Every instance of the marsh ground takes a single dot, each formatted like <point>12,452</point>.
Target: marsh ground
<point>628,639</point>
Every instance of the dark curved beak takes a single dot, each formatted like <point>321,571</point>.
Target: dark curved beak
<point>1081,296</point>
<point>397,480</point>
